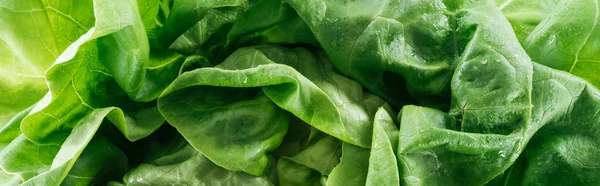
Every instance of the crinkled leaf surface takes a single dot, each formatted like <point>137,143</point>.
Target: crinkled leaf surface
<point>563,150</point>
<point>475,106</point>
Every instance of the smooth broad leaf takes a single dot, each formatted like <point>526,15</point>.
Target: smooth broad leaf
<point>32,36</point>
<point>25,159</point>
<point>12,130</point>
<point>525,15</point>
<point>563,149</point>
<point>163,67</point>
<point>560,34</point>
<point>297,80</point>
<point>195,169</point>
<point>236,129</point>
<point>567,39</point>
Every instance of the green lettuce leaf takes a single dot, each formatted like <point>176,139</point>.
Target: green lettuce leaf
<point>269,22</point>
<point>32,36</point>
<point>305,146</point>
<point>180,164</point>
<point>291,173</point>
<point>81,79</point>
<point>336,105</point>
<point>375,166</point>
<point>525,15</point>
<point>77,157</point>
<point>383,165</point>
<point>566,39</point>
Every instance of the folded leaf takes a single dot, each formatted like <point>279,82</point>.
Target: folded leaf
<point>353,167</point>
<point>525,15</point>
<point>269,22</point>
<point>290,173</point>
<point>432,152</point>
<point>383,166</point>
<point>75,157</point>
<point>195,169</point>
<point>191,23</point>
<point>309,147</point>
<point>233,128</point>
<point>312,92</point>
<point>81,79</point>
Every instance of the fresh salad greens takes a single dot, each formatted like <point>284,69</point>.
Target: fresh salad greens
<point>299,92</point>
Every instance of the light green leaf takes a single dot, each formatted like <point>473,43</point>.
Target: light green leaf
<point>525,15</point>
<point>79,81</point>
<point>12,130</point>
<point>32,36</point>
<point>383,166</point>
<point>566,39</point>
<point>353,167</point>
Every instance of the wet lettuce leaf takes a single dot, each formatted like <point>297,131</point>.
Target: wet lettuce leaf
<point>299,92</point>
<point>560,34</point>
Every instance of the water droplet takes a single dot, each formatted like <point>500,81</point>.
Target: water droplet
<point>551,39</point>
<point>484,61</point>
